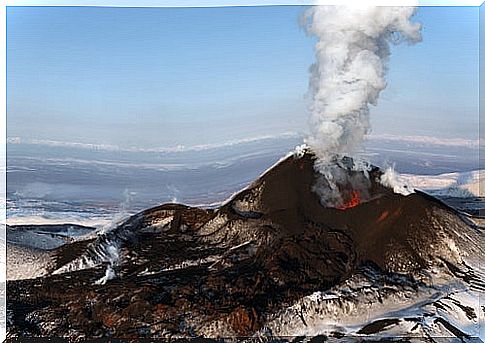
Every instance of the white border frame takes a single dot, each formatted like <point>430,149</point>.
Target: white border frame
<point>144,3</point>
<point>229,3</point>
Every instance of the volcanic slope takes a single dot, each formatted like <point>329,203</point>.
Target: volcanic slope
<point>270,261</point>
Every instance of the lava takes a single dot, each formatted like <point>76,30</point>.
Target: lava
<point>383,216</point>
<point>352,202</point>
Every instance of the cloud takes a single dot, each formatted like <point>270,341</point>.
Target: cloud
<point>428,140</point>
<point>176,148</point>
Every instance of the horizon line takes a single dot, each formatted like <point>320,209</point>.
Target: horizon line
<point>417,139</point>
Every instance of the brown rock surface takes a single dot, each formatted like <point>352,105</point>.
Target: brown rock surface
<point>186,271</point>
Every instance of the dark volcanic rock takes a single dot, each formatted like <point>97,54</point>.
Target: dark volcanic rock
<point>184,271</point>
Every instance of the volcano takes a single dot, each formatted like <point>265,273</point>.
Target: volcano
<point>270,261</point>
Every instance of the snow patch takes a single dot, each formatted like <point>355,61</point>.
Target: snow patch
<point>459,184</point>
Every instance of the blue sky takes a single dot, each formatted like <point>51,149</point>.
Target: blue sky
<point>155,77</point>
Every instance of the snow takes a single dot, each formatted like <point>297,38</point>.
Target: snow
<point>350,307</point>
<point>26,262</point>
<point>459,184</point>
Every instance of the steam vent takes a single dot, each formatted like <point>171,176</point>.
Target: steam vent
<point>271,261</point>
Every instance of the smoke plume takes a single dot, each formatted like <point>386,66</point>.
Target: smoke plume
<point>352,53</point>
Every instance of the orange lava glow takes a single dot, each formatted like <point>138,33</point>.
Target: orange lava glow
<point>352,202</point>
<point>383,216</point>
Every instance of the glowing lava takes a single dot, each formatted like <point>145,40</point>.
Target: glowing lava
<point>352,202</point>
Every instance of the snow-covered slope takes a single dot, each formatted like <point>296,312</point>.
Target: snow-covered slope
<point>464,184</point>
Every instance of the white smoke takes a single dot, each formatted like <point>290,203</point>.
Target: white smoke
<point>352,53</point>
<point>393,180</point>
<point>109,275</point>
<point>111,254</point>
<point>123,213</point>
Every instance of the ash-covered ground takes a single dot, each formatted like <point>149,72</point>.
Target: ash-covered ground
<point>269,262</point>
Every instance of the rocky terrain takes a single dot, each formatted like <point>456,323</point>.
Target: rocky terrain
<point>271,261</point>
